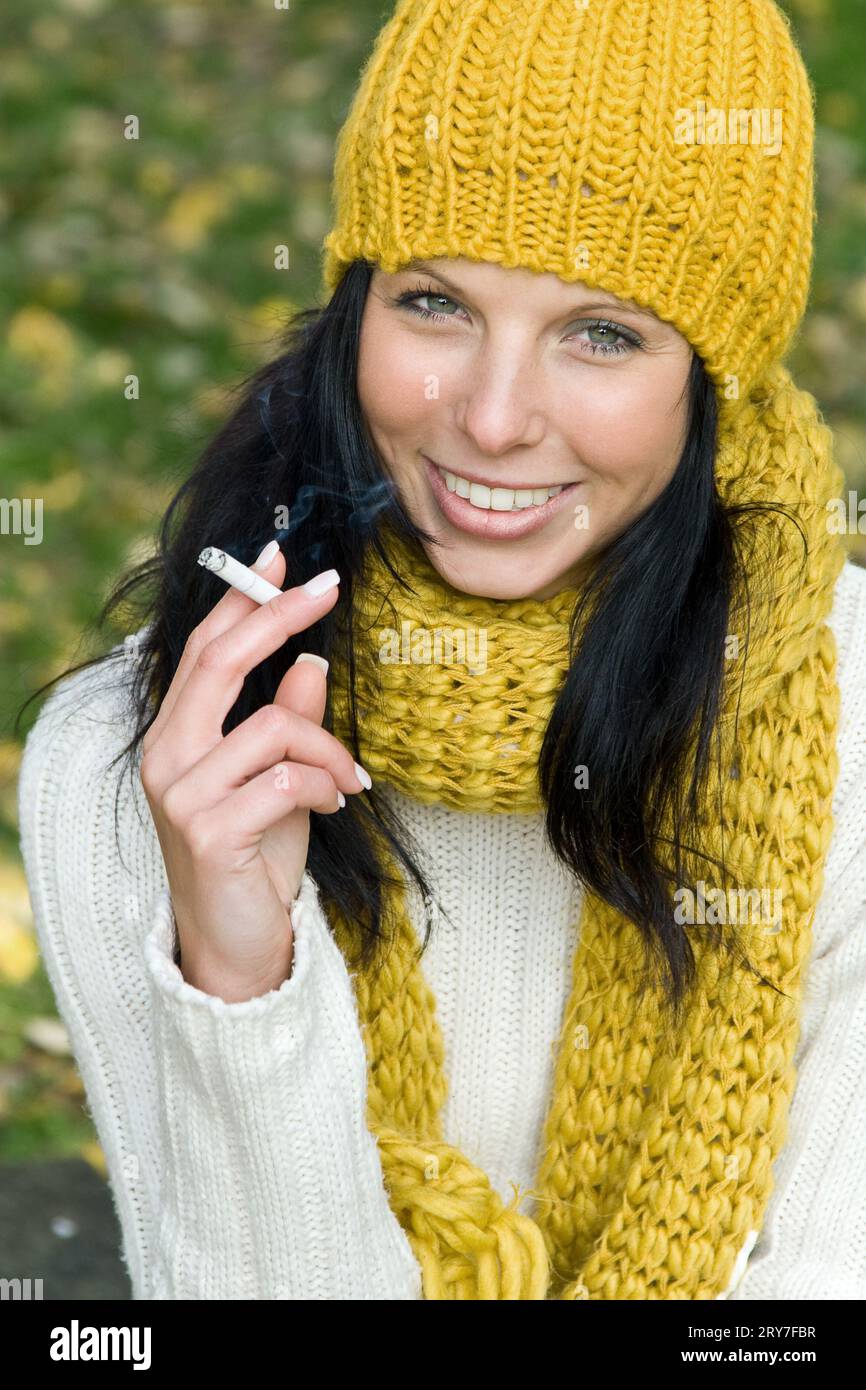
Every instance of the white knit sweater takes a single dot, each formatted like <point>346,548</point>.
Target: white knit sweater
<point>239,1157</point>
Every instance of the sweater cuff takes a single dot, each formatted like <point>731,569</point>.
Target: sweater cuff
<point>292,1002</point>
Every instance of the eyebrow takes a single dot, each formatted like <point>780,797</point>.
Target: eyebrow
<point>612,305</point>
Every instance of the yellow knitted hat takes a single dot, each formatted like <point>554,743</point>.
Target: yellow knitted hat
<point>661,152</point>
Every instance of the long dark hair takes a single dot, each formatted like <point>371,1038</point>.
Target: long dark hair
<point>635,691</point>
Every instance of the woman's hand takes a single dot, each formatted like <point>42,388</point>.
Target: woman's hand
<point>233,813</point>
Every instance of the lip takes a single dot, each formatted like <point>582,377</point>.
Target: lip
<point>494,525</point>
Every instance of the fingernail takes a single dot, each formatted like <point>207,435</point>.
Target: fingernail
<point>311,656</point>
<point>363,777</point>
<point>264,558</point>
<point>321,583</point>
<point>341,799</point>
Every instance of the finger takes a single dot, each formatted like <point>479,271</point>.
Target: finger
<point>242,818</point>
<point>220,668</point>
<point>231,607</point>
<point>272,734</point>
<point>304,688</point>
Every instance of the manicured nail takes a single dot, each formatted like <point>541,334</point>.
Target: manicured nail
<point>311,656</point>
<point>363,777</point>
<point>262,561</point>
<point>341,799</point>
<point>321,583</point>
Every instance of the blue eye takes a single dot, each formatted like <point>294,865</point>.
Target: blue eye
<point>408,296</point>
<point>628,339</point>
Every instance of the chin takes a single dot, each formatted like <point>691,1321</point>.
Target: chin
<point>492,578</point>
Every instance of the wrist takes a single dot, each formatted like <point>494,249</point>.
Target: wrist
<point>228,983</point>
<point>229,980</point>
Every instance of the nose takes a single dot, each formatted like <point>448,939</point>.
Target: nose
<point>498,408</point>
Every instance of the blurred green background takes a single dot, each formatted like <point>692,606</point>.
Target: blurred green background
<point>156,257</point>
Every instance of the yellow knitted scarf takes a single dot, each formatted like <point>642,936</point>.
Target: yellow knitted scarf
<point>658,1144</point>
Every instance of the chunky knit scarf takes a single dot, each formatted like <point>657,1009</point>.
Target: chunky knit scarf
<point>658,1144</point>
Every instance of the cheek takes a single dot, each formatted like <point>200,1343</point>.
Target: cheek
<point>394,379</point>
<point>627,428</point>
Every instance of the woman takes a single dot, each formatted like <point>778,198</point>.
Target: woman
<point>597,646</point>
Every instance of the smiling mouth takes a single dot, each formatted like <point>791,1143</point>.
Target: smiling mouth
<point>497,499</point>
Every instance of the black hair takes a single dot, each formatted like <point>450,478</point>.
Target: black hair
<point>634,694</point>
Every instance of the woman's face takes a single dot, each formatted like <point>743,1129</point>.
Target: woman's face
<point>518,382</point>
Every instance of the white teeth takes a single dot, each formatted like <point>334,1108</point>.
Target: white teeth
<point>498,499</point>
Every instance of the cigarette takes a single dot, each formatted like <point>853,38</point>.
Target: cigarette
<point>237,575</point>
